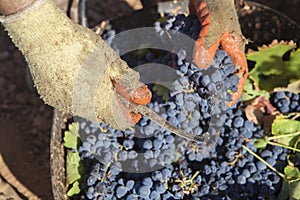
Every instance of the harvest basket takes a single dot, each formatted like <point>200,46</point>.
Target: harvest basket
<point>256,21</point>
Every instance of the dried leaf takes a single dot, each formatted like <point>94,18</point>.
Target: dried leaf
<point>251,115</point>
<point>261,112</point>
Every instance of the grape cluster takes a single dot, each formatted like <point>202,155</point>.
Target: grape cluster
<point>286,102</point>
<point>149,162</point>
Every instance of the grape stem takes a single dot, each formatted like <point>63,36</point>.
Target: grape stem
<point>144,110</point>
<point>263,161</point>
<point>293,116</point>
<point>188,185</point>
<point>282,145</point>
<point>268,140</point>
<point>283,136</point>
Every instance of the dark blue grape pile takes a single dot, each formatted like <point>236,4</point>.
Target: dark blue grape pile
<point>286,102</point>
<point>149,162</point>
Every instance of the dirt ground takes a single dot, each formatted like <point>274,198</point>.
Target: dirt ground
<point>25,121</point>
<point>290,8</point>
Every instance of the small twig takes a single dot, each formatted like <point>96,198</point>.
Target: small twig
<point>294,115</point>
<point>282,145</point>
<point>283,136</point>
<point>269,140</point>
<point>13,181</point>
<point>263,161</point>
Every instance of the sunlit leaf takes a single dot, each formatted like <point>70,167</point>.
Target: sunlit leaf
<point>271,70</point>
<point>283,126</point>
<point>250,92</point>
<point>71,136</point>
<point>75,189</point>
<point>291,173</point>
<point>72,167</point>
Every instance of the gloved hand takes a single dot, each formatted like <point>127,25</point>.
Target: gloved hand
<point>220,27</point>
<point>73,69</point>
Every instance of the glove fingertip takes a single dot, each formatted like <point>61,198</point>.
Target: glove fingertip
<point>141,96</point>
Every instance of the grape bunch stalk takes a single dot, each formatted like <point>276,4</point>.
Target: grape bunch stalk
<point>219,26</point>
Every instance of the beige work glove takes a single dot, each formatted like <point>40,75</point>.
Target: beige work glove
<point>73,69</point>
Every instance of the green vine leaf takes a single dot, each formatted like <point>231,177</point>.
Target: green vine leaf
<point>73,158</point>
<point>271,70</point>
<point>293,87</point>
<point>75,189</point>
<point>292,173</point>
<point>162,91</point>
<point>71,136</point>
<point>260,143</point>
<point>250,92</point>
<point>283,126</point>
<point>72,167</point>
<point>289,191</point>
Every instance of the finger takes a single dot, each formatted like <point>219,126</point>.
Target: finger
<point>141,95</point>
<point>127,112</point>
<point>231,46</point>
<point>135,117</point>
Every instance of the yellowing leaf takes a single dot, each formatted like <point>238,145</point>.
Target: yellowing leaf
<point>283,126</point>
<point>72,167</point>
<point>71,136</point>
<point>74,189</point>
<point>72,159</point>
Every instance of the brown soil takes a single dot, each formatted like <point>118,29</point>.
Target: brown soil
<point>290,8</point>
<point>25,121</point>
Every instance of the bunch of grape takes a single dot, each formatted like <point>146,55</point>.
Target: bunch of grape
<point>149,162</point>
<point>286,102</point>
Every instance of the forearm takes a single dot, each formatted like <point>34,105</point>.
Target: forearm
<point>8,7</point>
